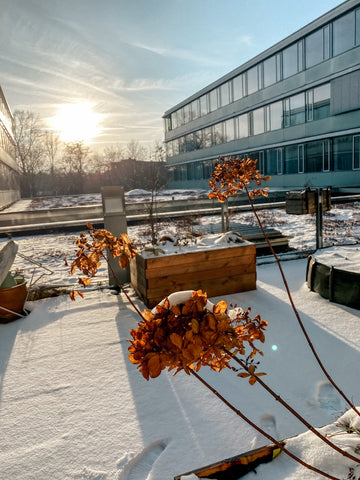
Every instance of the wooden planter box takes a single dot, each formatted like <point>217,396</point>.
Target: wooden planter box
<point>217,271</point>
<point>305,201</point>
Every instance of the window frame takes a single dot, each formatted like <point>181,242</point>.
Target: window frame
<point>356,140</point>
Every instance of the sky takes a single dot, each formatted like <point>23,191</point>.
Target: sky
<point>125,62</point>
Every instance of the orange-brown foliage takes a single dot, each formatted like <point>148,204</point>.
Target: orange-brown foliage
<point>234,174</point>
<point>188,336</point>
<point>91,250</point>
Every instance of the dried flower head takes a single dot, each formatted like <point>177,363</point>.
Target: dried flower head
<point>188,336</point>
<point>235,174</point>
<point>91,249</point>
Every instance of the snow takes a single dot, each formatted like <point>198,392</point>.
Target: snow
<point>132,196</point>
<point>345,258</point>
<point>72,406</point>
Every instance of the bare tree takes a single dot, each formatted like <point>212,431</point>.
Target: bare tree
<point>75,156</point>
<point>29,148</point>
<point>158,152</point>
<point>113,153</point>
<point>136,151</point>
<point>51,147</point>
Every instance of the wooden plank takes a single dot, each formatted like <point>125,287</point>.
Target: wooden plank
<point>213,287</point>
<point>223,263</point>
<point>203,256</point>
<point>237,466</point>
<point>199,276</point>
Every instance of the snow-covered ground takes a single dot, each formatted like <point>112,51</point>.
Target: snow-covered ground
<point>132,196</point>
<point>72,406</point>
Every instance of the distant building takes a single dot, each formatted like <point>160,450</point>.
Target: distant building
<point>9,172</point>
<point>294,107</point>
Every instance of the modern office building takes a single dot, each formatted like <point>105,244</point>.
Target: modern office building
<point>295,108</point>
<point>9,172</point>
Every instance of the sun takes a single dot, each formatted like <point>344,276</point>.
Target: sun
<point>76,122</point>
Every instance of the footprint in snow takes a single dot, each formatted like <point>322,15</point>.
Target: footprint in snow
<point>138,467</point>
<point>89,474</point>
<point>268,424</point>
<point>327,398</point>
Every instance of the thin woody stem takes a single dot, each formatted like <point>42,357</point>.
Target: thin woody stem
<point>260,430</point>
<point>119,284</point>
<point>328,376</point>
<point>291,410</point>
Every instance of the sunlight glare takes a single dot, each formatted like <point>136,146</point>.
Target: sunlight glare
<point>76,122</point>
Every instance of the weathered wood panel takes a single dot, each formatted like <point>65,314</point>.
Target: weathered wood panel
<point>217,271</point>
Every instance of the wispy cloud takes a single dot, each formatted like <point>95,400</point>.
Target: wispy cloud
<point>181,54</point>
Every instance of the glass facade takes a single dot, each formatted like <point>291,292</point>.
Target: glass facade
<point>333,39</point>
<point>274,97</point>
<point>9,176</point>
<point>314,104</point>
<point>329,155</point>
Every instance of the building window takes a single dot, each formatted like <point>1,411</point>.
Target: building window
<point>243,126</point>
<point>182,145</point>
<point>207,137</point>
<point>224,93</point>
<point>315,156</point>
<point>270,71</point>
<point>326,155</point>
<point>213,100</point>
<point>290,61</point>
<point>275,116</point>
<point>279,155</point>
<point>357,26</point>
<point>271,162</point>
<point>342,153</point>
<point>301,158</point>
<point>187,113</point>
<point>167,121</point>
<point>195,109</point>
<point>175,147</point>
<point>229,133</point>
<point>356,161</point>
<point>297,109</point>
<point>252,80</point>
<point>218,133</point>
<point>168,147</point>
<point>321,106</point>
<point>204,105</point>
<point>314,48</point>
<point>344,33</point>
<point>174,120</point>
<point>198,139</point>
<point>326,42</point>
<point>258,121</point>
<point>261,162</point>
<point>189,142</point>
<point>238,87</point>
<point>291,163</point>
<point>180,117</point>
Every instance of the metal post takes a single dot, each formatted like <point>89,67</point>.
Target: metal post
<point>319,218</point>
<point>115,221</point>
